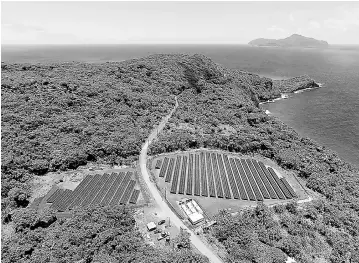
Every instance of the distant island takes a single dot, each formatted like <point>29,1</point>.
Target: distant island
<point>294,40</point>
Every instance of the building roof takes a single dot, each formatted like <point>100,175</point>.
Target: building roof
<point>151,226</point>
<point>195,218</point>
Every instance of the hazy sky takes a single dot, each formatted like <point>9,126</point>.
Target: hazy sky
<point>175,22</point>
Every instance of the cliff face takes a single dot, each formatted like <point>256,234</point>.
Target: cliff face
<point>294,40</point>
<point>266,89</point>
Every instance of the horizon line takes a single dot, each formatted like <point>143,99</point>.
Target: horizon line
<point>148,43</point>
<point>130,43</point>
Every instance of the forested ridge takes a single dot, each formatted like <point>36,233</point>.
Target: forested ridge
<point>222,112</point>
<point>57,117</point>
<point>61,116</point>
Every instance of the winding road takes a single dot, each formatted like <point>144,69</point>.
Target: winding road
<point>196,242</point>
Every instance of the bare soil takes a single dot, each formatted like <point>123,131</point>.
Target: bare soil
<point>145,215</point>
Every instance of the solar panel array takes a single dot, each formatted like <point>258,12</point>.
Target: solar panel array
<point>158,164</point>
<point>221,176</point>
<point>105,190</point>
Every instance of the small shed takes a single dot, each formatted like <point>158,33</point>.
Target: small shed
<point>151,226</point>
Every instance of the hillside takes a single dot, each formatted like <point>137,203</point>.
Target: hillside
<point>294,40</point>
<point>60,116</point>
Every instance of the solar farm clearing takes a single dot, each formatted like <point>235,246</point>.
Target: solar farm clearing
<point>108,189</point>
<point>224,177</point>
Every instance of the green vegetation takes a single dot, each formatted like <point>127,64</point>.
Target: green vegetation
<point>63,115</point>
<point>93,235</point>
<point>225,115</point>
<point>308,235</point>
<point>57,117</point>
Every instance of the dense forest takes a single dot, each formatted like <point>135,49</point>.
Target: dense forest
<point>94,235</point>
<point>57,117</point>
<point>60,116</point>
<point>221,110</point>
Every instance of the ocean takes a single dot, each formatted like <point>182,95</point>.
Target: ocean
<point>329,115</point>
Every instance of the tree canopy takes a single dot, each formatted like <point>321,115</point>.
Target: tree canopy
<point>94,234</point>
<point>60,116</point>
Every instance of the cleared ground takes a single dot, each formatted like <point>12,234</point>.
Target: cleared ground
<point>148,214</point>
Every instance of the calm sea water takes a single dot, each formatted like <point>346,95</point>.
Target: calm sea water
<point>329,115</point>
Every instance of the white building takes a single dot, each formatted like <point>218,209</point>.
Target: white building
<point>192,210</point>
<point>199,210</point>
<point>151,226</point>
<point>195,218</point>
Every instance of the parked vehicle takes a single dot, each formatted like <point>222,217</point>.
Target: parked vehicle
<point>163,235</point>
<point>161,222</point>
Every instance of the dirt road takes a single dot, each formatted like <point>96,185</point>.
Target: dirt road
<point>158,198</point>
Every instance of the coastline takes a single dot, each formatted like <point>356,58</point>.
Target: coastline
<point>320,85</point>
<point>285,95</point>
<point>332,146</point>
<point>303,156</point>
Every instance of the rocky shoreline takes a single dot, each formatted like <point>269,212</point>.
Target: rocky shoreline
<point>295,84</point>
<point>291,85</point>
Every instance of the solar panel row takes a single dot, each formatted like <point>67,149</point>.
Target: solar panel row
<point>134,196</point>
<point>54,195</point>
<point>280,183</point>
<point>203,176</point>
<point>176,175</point>
<point>197,181</point>
<point>190,175</point>
<point>126,195</point>
<point>101,193</point>
<point>91,197</point>
<point>232,181</point>
<point>289,188</point>
<point>83,192</point>
<point>101,190</point>
<point>272,181</point>
<point>120,190</point>
<point>57,202</point>
<point>183,175</point>
<point>170,170</point>
<point>89,191</point>
<point>80,188</point>
<point>258,180</point>
<point>112,189</point>
<point>251,180</point>
<point>265,180</point>
<point>217,175</point>
<point>212,187</point>
<point>238,179</point>
<point>223,175</point>
<point>158,164</point>
<point>164,167</point>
